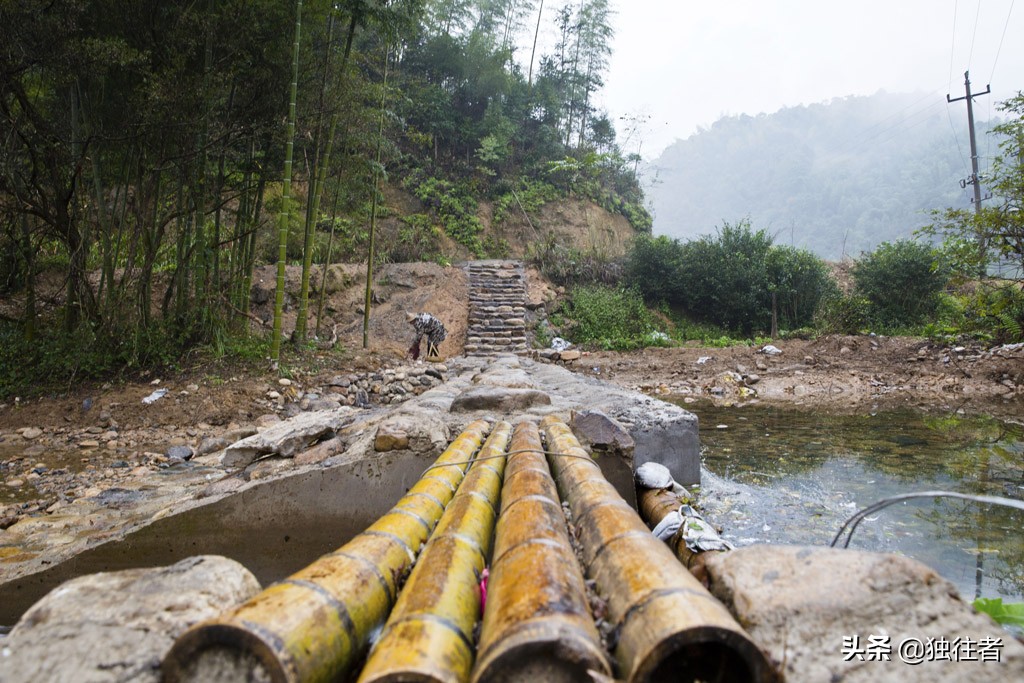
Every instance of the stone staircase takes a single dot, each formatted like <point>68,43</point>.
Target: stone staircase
<point>497,308</point>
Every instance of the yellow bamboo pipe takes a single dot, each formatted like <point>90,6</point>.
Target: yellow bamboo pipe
<point>537,625</point>
<point>670,628</point>
<point>429,635</point>
<point>314,625</point>
<point>654,505</point>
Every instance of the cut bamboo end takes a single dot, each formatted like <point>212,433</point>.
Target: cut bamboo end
<point>654,505</point>
<point>670,627</point>
<point>537,625</point>
<point>429,635</point>
<point>314,625</point>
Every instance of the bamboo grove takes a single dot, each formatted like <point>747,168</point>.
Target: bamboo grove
<point>153,154</point>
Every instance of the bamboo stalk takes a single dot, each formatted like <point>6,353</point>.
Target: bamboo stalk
<point>429,636</point>
<point>315,624</point>
<point>537,625</point>
<point>654,505</point>
<point>669,626</point>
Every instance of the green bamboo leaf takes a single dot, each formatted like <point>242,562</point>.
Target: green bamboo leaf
<point>1003,613</point>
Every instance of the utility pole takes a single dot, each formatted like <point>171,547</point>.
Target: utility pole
<point>973,180</point>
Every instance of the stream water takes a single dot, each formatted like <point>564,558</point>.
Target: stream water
<point>786,476</point>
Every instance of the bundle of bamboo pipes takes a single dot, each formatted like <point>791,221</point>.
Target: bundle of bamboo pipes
<point>537,625</point>
<point>670,628</point>
<point>429,636</point>
<point>316,624</point>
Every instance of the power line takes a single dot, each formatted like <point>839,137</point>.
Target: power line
<point>884,125</point>
<point>952,47</point>
<point>1000,48</point>
<point>974,35</point>
<point>957,138</point>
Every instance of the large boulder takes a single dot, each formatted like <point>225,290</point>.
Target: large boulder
<point>826,614</point>
<point>117,626</point>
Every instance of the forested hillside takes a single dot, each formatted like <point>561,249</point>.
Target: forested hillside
<point>837,178</point>
<point>154,153</point>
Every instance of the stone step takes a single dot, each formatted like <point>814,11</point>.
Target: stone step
<point>497,316</point>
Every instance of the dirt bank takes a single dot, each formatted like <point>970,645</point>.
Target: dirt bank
<point>846,373</point>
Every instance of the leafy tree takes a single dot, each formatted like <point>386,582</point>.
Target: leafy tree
<point>722,278</point>
<point>653,265</point>
<point>734,279</point>
<point>798,281</point>
<point>902,281</point>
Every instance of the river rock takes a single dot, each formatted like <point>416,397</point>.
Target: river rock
<point>31,433</point>
<point>800,603</point>
<point>320,452</point>
<point>180,453</point>
<point>499,399</point>
<point>601,432</point>
<point>117,626</point>
<point>286,438</point>
<point>212,444</point>
<point>419,430</point>
<point>390,437</point>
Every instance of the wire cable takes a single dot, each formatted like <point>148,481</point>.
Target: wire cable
<point>858,517</point>
<point>957,138</point>
<point>502,455</point>
<point>952,47</point>
<point>1000,48</point>
<point>974,35</point>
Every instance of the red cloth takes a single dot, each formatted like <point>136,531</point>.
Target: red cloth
<point>414,350</point>
<point>483,589</point>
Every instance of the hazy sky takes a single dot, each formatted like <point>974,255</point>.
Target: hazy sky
<point>687,63</point>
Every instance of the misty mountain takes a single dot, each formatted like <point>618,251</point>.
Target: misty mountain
<point>837,178</point>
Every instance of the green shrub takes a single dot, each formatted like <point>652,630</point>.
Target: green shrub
<point>992,313</point>
<point>728,280</point>
<point>902,281</point>
<point>609,318</point>
<point>417,240</point>
<point>456,209</point>
<point>653,265</point>
<point>842,314</point>
<point>571,267</point>
<point>528,195</point>
<point>800,281</point>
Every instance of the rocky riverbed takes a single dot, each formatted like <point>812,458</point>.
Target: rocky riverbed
<point>800,605</point>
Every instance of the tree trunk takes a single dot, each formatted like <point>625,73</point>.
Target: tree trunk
<point>282,230</point>
<point>373,208</point>
<point>29,329</point>
<point>318,176</point>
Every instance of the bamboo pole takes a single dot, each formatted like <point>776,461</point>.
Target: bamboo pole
<point>669,626</point>
<point>654,505</point>
<point>315,624</point>
<point>429,636</point>
<point>537,625</point>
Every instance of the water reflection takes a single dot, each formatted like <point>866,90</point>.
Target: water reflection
<point>786,476</point>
